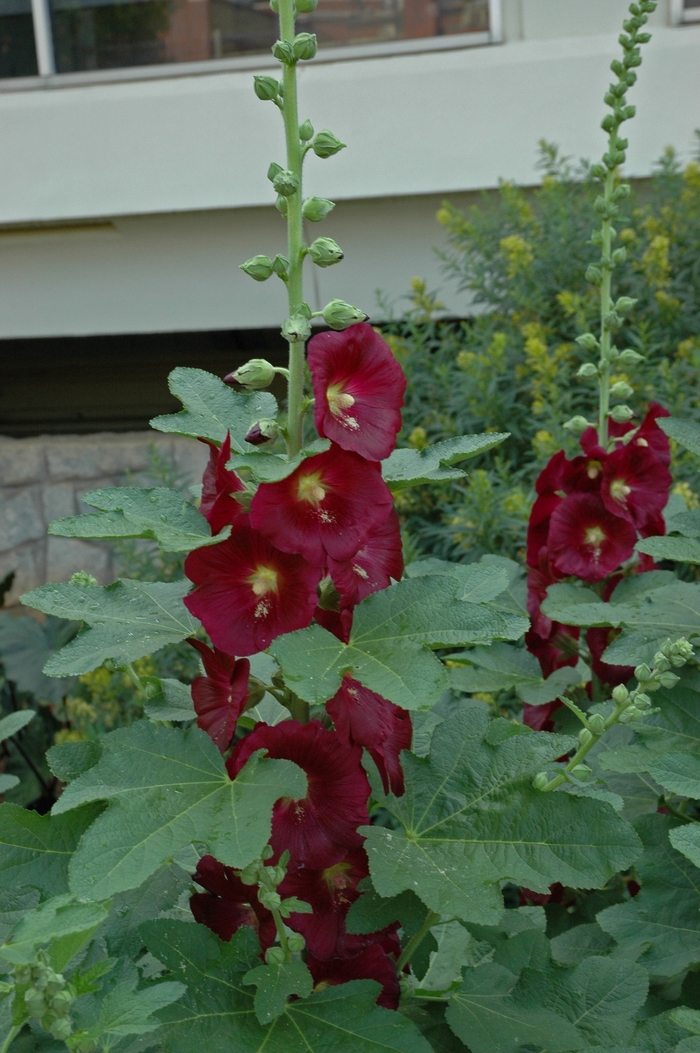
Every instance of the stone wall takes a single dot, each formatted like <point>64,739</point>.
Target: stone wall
<point>44,478</point>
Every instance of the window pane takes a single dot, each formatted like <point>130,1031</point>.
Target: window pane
<point>17,51</point>
<point>692,3</point>
<point>102,34</point>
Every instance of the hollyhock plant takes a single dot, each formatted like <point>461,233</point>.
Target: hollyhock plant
<point>319,828</point>
<point>358,390</point>
<point>218,506</point>
<point>227,903</point>
<point>326,508</point>
<point>587,540</point>
<point>220,696</point>
<point>248,592</point>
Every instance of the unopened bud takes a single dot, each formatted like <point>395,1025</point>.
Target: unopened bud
<point>306,131</point>
<point>582,772</point>
<point>280,265</point>
<point>541,780</point>
<point>325,252</point>
<point>296,942</point>
<point>668,680</point>
<point>269,899</point>
<point>263,432</point>
<point>266,88</point>
<point>641,700</point>
<point>661,662</point>
<point>620,695</point>
<point>642,673</point>
<point>273,171</point>
<point>621,414</point>
<point>628,715</point>
<point>275,956</point>
<point>593,274</point>
<point>35,1002</point>
<point>296,329</point>
<point>588,341</point>
<point>339,315</point>
<point>317,208</point>
<point>62,1001</point>
<point>286,183</point>
<point>284,51</point>
<point>81,577</point>
<point>624,304</point>
<point>681,649</point>
<point>577,425</point>
<point>621,390</point>
<point>328,596</point>
<point>258,267</point>
<point>281,205</point>
<point>304,7</point>
<point>596,722</point>
<point>630,357</point>
<point>325,144</point>
<point>254,375</point>
<point>267,853</point>
<point>61,1029</point>
<point>584,737</point>
<point>588,369</point>
<point>250,875</point>
<point>305,46</point>
<point>619,256</point>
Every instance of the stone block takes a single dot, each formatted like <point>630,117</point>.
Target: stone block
<point>21,461</point>
<point>73,458</point>
<point>27,563</point>
<point>59,501</point>
<point>65,556</point>
<point>20,520</point>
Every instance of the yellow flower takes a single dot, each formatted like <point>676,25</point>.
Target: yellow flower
<point>518,254</point>
<point>685,491</point>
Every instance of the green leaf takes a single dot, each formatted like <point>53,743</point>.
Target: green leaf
<point>14,904</point>
<point>686,432</point>
<point>126,1011</point>
<point>434,463</point>
<point>372,912</point>
<point>471,819</point>
<point>574,945</point>
<point>159,892</point>
<point>125,621</point>
<point>217,1006</point>
<point>502,667</point>
<point>485,1014</point>
<point>685,839</point>
<point>663,920</point>
<point>678,772</point>
<point>26,646</point>
<point>50,921</point>
<point>68,760</point>
<point>168,699</point>
<point>448,959</point>
<point>212,408</point>
<point>13,723</point>
<point>275,983</point>
<point>8,782</point>
<point>577,605</point>
<point>159,514</point>
<point>168,788</point>
<point>36,849</point>
<point>681,549</point>
<point>268,467</point>
<point>688,1019</point>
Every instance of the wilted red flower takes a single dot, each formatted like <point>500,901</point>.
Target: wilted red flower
<point>228,903</point>
<point>636,485</point>
<point>219,697</point>
<point>248,591</point>
<point>318,829</point>
<point>363,718</point>
<point>376,562</point>
<point>327,507</point>
<point>330,892</point>
<point>587,540</point>
<point>218,483</point>
<point>358,390</point>
<point>371,964</point>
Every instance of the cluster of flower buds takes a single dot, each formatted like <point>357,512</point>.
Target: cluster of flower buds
<point>47,996</point>
<point>636,703</point>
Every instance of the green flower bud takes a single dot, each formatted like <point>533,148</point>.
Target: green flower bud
<point>305,46</point>
<point>630,357</point>
<point>642,673</point>
<point>263,432</point>
<point>620,695</point>
<point>621,414</point>
<point>81,577</point>
<point>267,853</point>
<point>269,899</point>
<point>306,131</point>
<point>254,375</point>
<point>681,649</point>
<point>35,1002</point>
<point>325,252</point>
<point>588,369</point>
<point>597,171</point>
<point>61,1029</point>
<point>582,772</point>
<point>266,88</point>
<point>540,780</point>
<point>317,208</point>
<point>596,722</point>
<point>296,942</point>
<point>275,6</point>
<point>281,204</point>
<point>584,737</point>
<point>328,596</point>
<point>594,274</point>
<point>250,875</point>
<point>661,662</point>
<point>588,341</point>
<point>325,144</point>
<point>339,315</point>
<point>619,256</point>
<point>258,268</point>
<point>628,715</point>
<point>624,304</point>
<point>62,1001</point>
<point>577,425</point>
<point>621,390</point>
<point>641,700</point>
<point>668,680</point>
<point>305,7</point>
<point>286,183</point>
<point>284,51</point>
<point>296,328</point>
<point>273,171</point>
<point>274,956</point>
<point>280,266</point>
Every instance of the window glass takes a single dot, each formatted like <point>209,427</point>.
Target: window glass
<point>17,51</point>
<point>103,34</point>
<point>692,3</point>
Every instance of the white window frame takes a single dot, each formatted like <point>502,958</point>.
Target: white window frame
<point>680,14</point>
<point>48,77</point>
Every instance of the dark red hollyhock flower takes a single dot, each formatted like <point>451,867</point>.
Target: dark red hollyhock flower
<point>363,718</point>
<point>551,478</point>
<point>327,507</point>
<point>585,474</point>
<point>635,485</point>
<point>539,718</point>
<point>371,964</point>
<point>649,434</point>
<point>538,526</point>
<point>337,622</point>
<point>330,892</point>
<point>218,483</point>
<point>248,591</point>
<point>598,639</point>
<point>219,697</point>
<point>376,562</point>
<point>228,903</point>
<point>358,390</point>
<point>317,829</point>
<point>587,540</point>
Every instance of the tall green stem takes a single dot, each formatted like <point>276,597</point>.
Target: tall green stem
<point>605,309</point>
<point>415,941</point>
<point>11,1036</point>
<point>295,235</point>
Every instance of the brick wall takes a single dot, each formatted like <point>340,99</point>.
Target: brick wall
<point>44,478</point>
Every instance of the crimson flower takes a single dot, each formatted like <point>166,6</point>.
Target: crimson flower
<point>318,829</point>
<point>217,505</point>
<point>648,434</point>
<point>228,903</point>
<point>376,562</point>
<point>337,622</point>
<point>358,390</point>
<point>220,696</point>
<point>587,540</point>
<point>371,964</point>
<point>363,718</point>
<point>635,485</point>
<point>598,638</point>
<point>327,507</point>
<point>248,591</point>
<point>330,892</point>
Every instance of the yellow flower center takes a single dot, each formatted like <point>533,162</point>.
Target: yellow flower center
<point>594,537</point>
<point>338,400</point>
<point>620,490</point>
<point>594,469</point>
<point>309,488</point>
<point>264,580</point>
